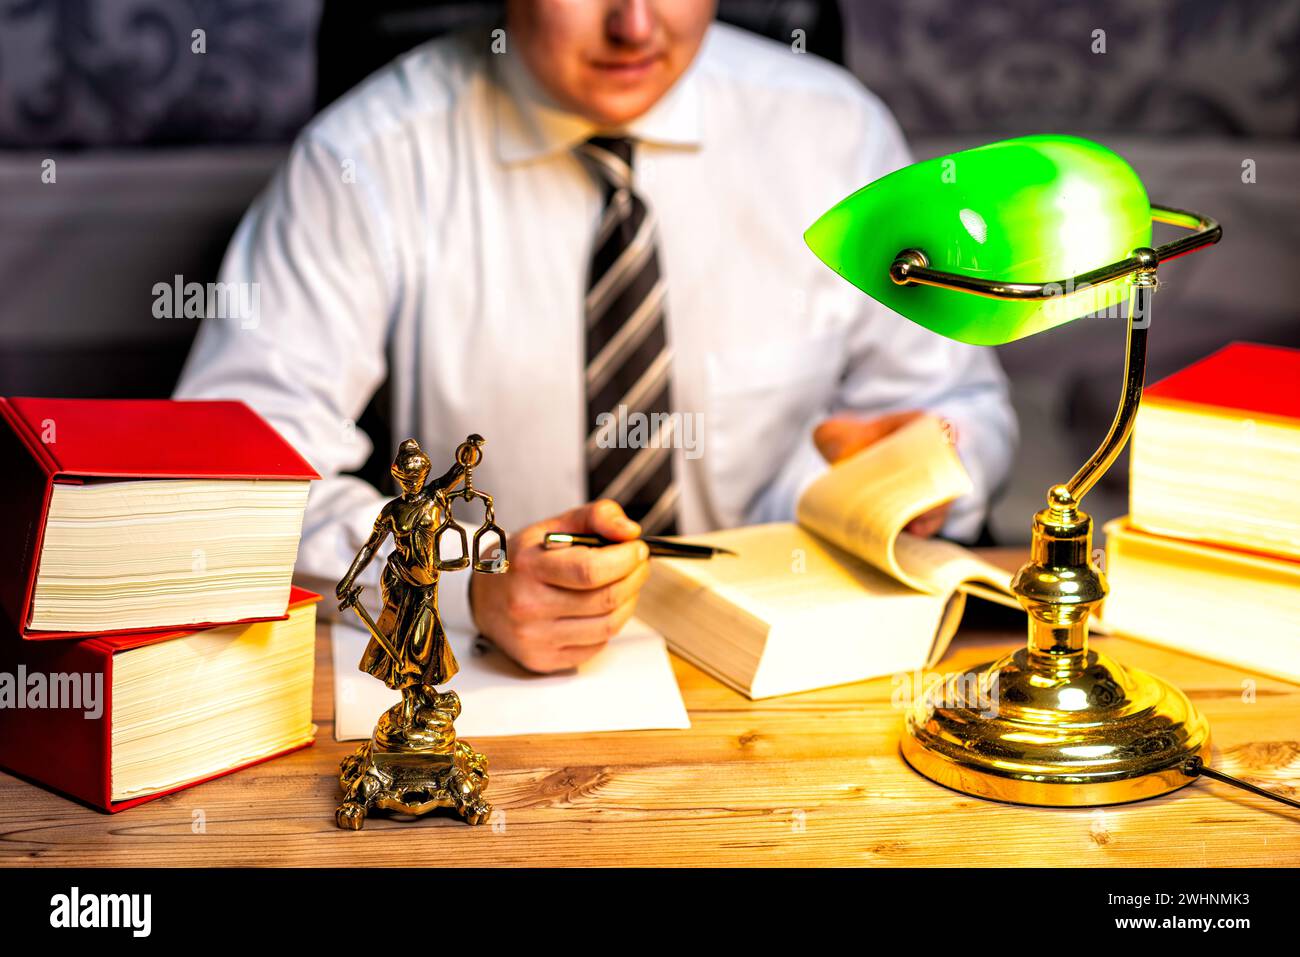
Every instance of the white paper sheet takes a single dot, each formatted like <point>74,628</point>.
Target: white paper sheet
<point>629,686</point>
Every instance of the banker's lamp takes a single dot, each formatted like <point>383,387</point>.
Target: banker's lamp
<point>988,246</point>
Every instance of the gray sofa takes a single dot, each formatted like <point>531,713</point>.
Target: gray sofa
<point>133,134</point>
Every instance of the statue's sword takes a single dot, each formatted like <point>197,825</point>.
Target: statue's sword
<point>353,600</point>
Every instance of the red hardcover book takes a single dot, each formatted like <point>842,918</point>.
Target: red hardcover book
<point>1216,449</point>
<point>1242,379</point>
<point>44,442</point>
<point>68,751</point>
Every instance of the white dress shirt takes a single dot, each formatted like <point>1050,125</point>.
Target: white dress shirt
<point>433,226</point>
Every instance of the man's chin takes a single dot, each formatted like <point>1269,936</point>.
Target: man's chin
<point>619,107</point>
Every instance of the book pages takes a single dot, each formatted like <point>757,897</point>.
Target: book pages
<point>863,503</point>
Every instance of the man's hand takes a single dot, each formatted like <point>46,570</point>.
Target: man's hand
<point>841,436</point>
<point>555,608</point>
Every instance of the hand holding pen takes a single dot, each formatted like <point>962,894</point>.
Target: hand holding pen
<point>659,547</point>
<point>557,607</point>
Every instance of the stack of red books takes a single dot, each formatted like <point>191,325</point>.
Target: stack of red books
<point>1208,559</point>
<point>155,637</point>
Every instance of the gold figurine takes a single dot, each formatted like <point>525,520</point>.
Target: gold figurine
<point>414,762</point>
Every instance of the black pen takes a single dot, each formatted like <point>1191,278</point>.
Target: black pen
<point>659,547</point>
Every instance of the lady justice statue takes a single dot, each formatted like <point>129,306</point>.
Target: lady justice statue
<point>414,762</point>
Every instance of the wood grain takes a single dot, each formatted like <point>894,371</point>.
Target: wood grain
<point>810,779</point>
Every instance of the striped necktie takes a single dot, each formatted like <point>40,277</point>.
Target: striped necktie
<point>628,357</point>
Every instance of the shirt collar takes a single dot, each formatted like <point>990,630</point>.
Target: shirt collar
<point>530,125</point>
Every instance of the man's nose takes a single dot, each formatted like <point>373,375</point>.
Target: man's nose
<point>631,22</point>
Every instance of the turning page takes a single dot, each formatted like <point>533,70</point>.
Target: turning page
<point>862,504</point>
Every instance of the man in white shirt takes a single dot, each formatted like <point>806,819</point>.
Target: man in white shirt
<point>540,244</point>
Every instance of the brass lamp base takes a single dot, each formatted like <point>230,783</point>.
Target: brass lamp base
<point>1092,735</point>
<point>1056,723</point>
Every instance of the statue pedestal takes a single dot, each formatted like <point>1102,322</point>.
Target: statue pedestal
<point>413,767</point>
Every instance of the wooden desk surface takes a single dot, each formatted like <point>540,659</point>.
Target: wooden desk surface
<point>810,779</point>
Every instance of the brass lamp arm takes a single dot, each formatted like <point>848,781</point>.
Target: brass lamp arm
<point>912,266</point>
<point>1135,363</point>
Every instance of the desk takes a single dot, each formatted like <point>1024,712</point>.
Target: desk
<point>809,779</point>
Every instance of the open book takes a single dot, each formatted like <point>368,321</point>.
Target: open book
<point>841,596</point>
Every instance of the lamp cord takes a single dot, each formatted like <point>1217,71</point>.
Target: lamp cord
<point>1195,767</point>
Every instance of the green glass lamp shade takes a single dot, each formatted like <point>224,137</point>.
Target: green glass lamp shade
<point>1033,209</point>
